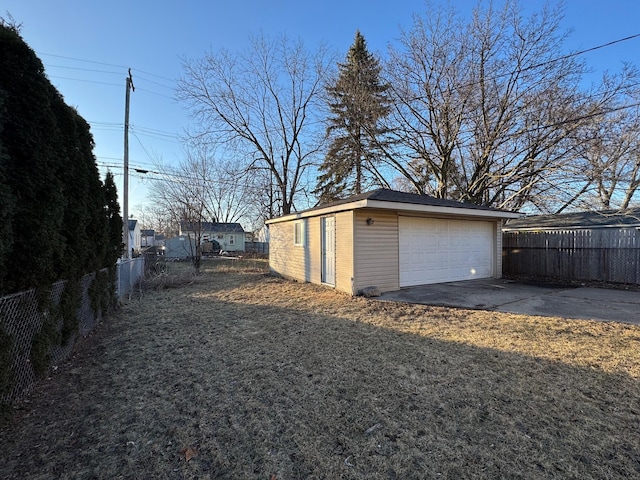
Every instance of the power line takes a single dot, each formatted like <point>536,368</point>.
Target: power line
<point>155,131</point>
<point>82,60</point>
<point>582,52</point>
<point>154,82</point>
<point>169,176</point>
<point>552,60</point>
<point>156,93</point>
<point>106,64</point>
<point>154,75</point>
<point>86,81</point>
<point>580,118</point>
<point>111,84</point>
<point>84,69</point>
<point>143,148</point>
<point>162,138</point>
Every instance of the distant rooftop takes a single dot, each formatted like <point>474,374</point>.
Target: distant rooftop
<point>216,227</point>
<point>598,219</point>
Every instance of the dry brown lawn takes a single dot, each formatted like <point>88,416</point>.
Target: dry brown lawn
<point>238,375</point>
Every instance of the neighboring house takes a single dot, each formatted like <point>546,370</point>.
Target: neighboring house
<point>230,236</point>
<point>147,238</point>
<point>179,248</point>
<point>159,240</point>
<point>577,221</point>
<point>599,246</point>
<point>389,240</point>
<point>135,238</point>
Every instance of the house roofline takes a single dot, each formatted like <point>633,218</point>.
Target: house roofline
<point>397,206</point>
<point>506,228</point>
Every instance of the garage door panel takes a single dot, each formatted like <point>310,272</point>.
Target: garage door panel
<point>440,250</point>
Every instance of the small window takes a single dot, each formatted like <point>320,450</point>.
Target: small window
<point>232,239</point>
<point>298,233</point>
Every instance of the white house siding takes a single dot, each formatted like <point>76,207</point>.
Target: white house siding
<point>135,239</point>
<point>313,251</point>
<point>497,269</point>
<point>344,252</point>
<point>376,250</point>
<point>231,242</point>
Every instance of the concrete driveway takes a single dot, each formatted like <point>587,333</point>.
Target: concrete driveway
<point>502,295</point>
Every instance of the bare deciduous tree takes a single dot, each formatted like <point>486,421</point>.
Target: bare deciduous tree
<point>156,217</point>
<point>262,105</point>
<point>484,109</point>
<point>184,193</point>
<point>609,146</point>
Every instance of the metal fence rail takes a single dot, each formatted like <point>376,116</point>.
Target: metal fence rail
<point>604,254</point>
<point>130,273</point>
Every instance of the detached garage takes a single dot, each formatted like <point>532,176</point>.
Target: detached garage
<point>389,240</point>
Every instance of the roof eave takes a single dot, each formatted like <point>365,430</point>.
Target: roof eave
<point>319,211</point>
<point>405,207</point>
<point>441,209</point>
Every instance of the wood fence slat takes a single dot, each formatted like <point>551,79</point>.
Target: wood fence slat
<point>605,254</point>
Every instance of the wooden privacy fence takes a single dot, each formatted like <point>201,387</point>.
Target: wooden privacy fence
<point>598,254</point>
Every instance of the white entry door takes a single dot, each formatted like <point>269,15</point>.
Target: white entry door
<point>328,226</point>
<point>435,250</point>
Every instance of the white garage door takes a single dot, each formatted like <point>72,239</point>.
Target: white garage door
<point>434,250</point>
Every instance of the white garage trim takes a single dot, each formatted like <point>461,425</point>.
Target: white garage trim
<point>434,250</point>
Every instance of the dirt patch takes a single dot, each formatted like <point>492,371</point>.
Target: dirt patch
<point>241,375</point>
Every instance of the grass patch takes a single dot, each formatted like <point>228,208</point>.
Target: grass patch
<point>241,375</point>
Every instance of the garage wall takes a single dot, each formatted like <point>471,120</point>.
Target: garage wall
<point>344,252</point>
<point>376,250</point>
<point>366,255</point>
<point>299,262</point>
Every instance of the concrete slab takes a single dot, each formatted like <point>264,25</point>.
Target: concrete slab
<point>504,295</point>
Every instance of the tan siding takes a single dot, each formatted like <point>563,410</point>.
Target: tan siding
<point>366,255</point>
<point>284,258</point>
<point>376,250</point>
<point>344,252</point>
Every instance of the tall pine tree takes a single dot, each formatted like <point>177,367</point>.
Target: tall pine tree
<point>358,102</point>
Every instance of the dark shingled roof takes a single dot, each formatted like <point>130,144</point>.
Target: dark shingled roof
<point>386,195</point>
<point>214,227</point>
<point>603,218</point>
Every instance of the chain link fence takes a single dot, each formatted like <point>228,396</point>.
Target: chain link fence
<point>22,319</point>
<point>130,273</point>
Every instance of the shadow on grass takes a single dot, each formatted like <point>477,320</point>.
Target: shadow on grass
<point>262,391</point>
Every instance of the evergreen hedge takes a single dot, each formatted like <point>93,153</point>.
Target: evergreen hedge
<point>58,220</point>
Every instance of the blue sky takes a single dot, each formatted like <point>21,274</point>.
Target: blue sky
<point>87,46</point>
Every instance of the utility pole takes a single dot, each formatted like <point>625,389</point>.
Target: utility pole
<point>125,195</point>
